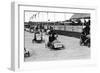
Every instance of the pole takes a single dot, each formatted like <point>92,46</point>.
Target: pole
<point>54,21</point>
<point>64,23</point>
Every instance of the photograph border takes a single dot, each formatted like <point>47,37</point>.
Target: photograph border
<point>17,62</point>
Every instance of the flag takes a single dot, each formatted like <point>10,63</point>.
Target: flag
<point>33,16</point>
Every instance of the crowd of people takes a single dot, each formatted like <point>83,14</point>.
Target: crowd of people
<point>85,35</point>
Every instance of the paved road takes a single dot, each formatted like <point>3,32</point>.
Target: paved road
<point>41,53</point>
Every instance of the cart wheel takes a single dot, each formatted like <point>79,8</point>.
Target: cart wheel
<point>63,46</point>
<point>51,46</point>
<point>28,54</point>
<point>88,45</point>
<point>81,43</point>
<point>33,41</point>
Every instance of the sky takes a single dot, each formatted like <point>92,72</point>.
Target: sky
<point>44,16</point>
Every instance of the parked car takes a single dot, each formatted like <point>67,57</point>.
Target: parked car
<point>56,45</point>
<point>38,37</point>
<point>26,53</point>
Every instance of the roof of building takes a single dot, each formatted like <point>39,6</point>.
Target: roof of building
<point>80,15</point>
